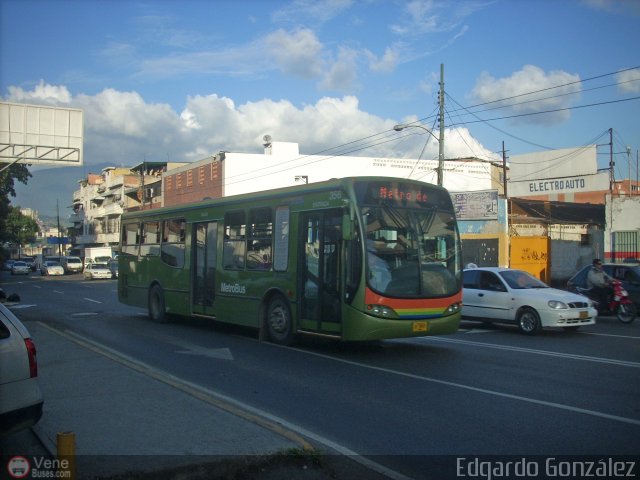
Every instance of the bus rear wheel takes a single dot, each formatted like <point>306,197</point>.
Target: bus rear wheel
<point>279,322</point>
<point>157,312</point>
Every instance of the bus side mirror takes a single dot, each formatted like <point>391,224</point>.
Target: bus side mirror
<point>347,227</point>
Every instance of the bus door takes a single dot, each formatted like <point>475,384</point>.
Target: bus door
<point>321,239</point>
<point>204,257</point>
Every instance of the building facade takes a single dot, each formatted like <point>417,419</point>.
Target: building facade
<point>97,207</point>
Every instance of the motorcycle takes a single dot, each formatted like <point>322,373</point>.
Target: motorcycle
<point>618,303</point>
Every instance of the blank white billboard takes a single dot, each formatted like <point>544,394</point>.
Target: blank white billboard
<point>41,134</point>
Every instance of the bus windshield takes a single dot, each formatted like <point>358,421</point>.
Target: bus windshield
<point>411,252</point>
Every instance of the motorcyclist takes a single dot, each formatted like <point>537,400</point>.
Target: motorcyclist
<point>599,283</point>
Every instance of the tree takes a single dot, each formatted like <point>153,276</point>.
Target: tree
<point>20,229</point>
<point>8,176</point>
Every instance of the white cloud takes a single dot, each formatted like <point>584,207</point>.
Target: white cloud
<point>387,63</point>
<point>629,81</point>
<point>555,90</point>
<point>42,93</point>
<point>299,53</point>
<point>311,10</point>
<point>342,73</point>
<point>121,128</point>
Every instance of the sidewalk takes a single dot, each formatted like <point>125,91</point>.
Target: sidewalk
<point>124,420</point>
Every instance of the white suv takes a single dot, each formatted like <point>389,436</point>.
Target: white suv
<point>20,395</point>
<point>71,264</point>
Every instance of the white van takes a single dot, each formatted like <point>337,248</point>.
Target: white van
<point>71,264</point>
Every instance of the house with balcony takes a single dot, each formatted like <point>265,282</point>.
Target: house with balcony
<point>97,207</point>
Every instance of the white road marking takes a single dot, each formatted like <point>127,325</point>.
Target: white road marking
<point>227,403</point>
<point>610,361</point>
<point>545,403</point>
<point>92,300</point>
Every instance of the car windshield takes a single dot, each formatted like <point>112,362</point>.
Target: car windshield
<point>411,252</point>
<point>517,279</point>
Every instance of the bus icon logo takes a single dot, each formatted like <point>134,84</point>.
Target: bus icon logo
<point>18,467</point>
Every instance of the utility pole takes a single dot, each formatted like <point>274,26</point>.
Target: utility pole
<point>504,170</point>
<point>441,140</point>
<point>59,239</point>
<point>611,162</point>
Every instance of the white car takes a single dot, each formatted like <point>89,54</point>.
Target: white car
<point>51,268</point>
<point>20,395</point>
<point>493,294</point>
<point>97,270</point>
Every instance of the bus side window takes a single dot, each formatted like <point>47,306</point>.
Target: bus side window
<point>235,227</point>
<point>150,239</point>
<point>281,244</point>
<point>130,238</point>
<point>173,239</point>
<point>260,237</point>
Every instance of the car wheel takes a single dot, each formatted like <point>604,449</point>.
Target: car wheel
<point>279,321</point>
<point>157,312</point>
<point>529,321</point>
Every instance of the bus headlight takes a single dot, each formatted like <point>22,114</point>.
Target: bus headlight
<point>453,308</point>
<point>382,311</point>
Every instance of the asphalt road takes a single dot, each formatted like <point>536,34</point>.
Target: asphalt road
<point>485,391</point>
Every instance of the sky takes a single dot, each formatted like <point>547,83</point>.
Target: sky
<point>170,80</point>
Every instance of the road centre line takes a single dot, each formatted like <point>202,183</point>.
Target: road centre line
<point>92,300</point>
<point>629,337</point>
<point>545,403</point>
<point>609,361</point>
<point>266,420</point>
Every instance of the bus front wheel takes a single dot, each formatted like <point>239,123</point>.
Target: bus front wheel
<point>279,322</point>
<point>157,312</point>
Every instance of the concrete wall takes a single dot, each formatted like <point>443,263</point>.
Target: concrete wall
<point>567,257</point>
<point>622,214</point>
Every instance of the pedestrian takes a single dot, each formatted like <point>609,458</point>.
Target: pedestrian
<point>599,283</point>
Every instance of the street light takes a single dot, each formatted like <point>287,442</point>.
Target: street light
<point>402,126</point>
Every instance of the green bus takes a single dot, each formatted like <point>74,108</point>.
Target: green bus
<point>353,259</point>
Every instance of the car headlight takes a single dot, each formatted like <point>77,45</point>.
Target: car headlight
<point>557,304</point>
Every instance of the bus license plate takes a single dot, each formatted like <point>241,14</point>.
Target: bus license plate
<point>584,314</point>
<point>420,326</point>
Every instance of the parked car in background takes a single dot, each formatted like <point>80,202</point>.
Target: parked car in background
<point>31,262</point>
<point>494,294</point>
<point>95,271</point>
<point>51,268</point>
<point>6,266</point>
<point>627,273</point>
<point>21,399</point>
<point>71,264</point>
<point>20,268</point>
